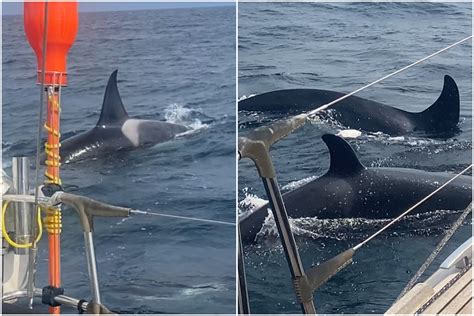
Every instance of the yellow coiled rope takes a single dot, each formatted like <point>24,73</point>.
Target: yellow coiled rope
<point>52,159</point>
<point>52,221</point>
<point>5,232</point>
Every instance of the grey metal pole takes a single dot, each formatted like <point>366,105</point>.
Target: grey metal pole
<point>23,215</point>
<point>71,302</point>
<point>256,146</point>
<point>92,267</point>
<point>287,239</point>
<point>24,221</point>
<point>244,306</point>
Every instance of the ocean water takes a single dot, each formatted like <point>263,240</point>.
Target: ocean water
<point>341,47</point>
<point>176,65</point>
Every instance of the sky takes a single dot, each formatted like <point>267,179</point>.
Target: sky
<point>14,8</point>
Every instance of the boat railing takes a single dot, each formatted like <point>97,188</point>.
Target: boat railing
<point>87,210</point>
<point>25,226</point>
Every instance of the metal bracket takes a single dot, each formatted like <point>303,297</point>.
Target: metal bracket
<point>87,208</point>
<point>303,289</point>
<point>256,144</point>
<point>320,274</point>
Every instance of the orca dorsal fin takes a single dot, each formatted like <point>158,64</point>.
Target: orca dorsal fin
<point>443,115</point>
<point>113,111</point>
<point>344,160</point>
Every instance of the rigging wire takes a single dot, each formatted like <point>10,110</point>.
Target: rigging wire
<point>411,209</point>
<point>40,113</point>
<point>211,221</point>
<point>437,250</point>
<point>325,106</point>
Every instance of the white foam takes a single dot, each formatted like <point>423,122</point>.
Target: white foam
<point>299,183</point>
<point>178,114</point>
<point>349,133</point>
<point>245,97</point>
<point>355,228</point>
<point>250,203</point>
<point>202,289</point>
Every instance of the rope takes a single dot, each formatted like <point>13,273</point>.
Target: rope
<point>53,159</point>
<point>437,250</point>
<point>52,221</point>
<point>411,208</point>
<point>10,241</point>
<point>325,106</point>
<point>211,221</point>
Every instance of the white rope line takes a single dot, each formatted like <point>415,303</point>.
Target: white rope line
<point>325,106</point>
<point>411,209</point>
<point>211,221</point>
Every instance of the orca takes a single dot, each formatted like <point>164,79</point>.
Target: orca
<point>351,190</point>
<point>116,131</point>
<point>440,119</point>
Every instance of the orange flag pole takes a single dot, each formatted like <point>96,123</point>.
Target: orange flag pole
<point>51,29</point>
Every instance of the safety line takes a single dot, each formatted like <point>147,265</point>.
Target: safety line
<point>325,106</point>
<point>411,208</point>
<point>40,114</point>
<point>437,250</point>
<point>212,221</point>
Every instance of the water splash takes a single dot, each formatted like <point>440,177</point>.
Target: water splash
<point>298,183</point>
<point>250,203</point>
<point>178,114</point>
<point>428,223</point>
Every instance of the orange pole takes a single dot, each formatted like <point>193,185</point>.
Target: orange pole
<point>52,174</point>
<point>51,29</point>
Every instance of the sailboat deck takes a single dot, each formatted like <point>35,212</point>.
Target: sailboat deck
<point>451,295</point>
<point>454,299</point>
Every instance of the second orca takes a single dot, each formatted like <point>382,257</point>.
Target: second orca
<point>440,119</point>
<point>351,190</point>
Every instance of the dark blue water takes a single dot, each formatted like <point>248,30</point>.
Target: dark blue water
<point>342,47</point>
<point>174,65</point>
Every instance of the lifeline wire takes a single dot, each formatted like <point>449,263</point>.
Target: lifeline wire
<point>40,114</point>
<point>437,250</point>
<point>411,208</point>
<point>325,106</point>
<point>32,254</point>
<point>182,217</point>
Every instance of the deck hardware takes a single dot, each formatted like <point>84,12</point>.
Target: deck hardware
<point>49,294</point>
<point>87,208</point>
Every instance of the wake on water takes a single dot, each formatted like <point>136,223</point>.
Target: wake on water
<point>436,145</point>
<point>346,229</point>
